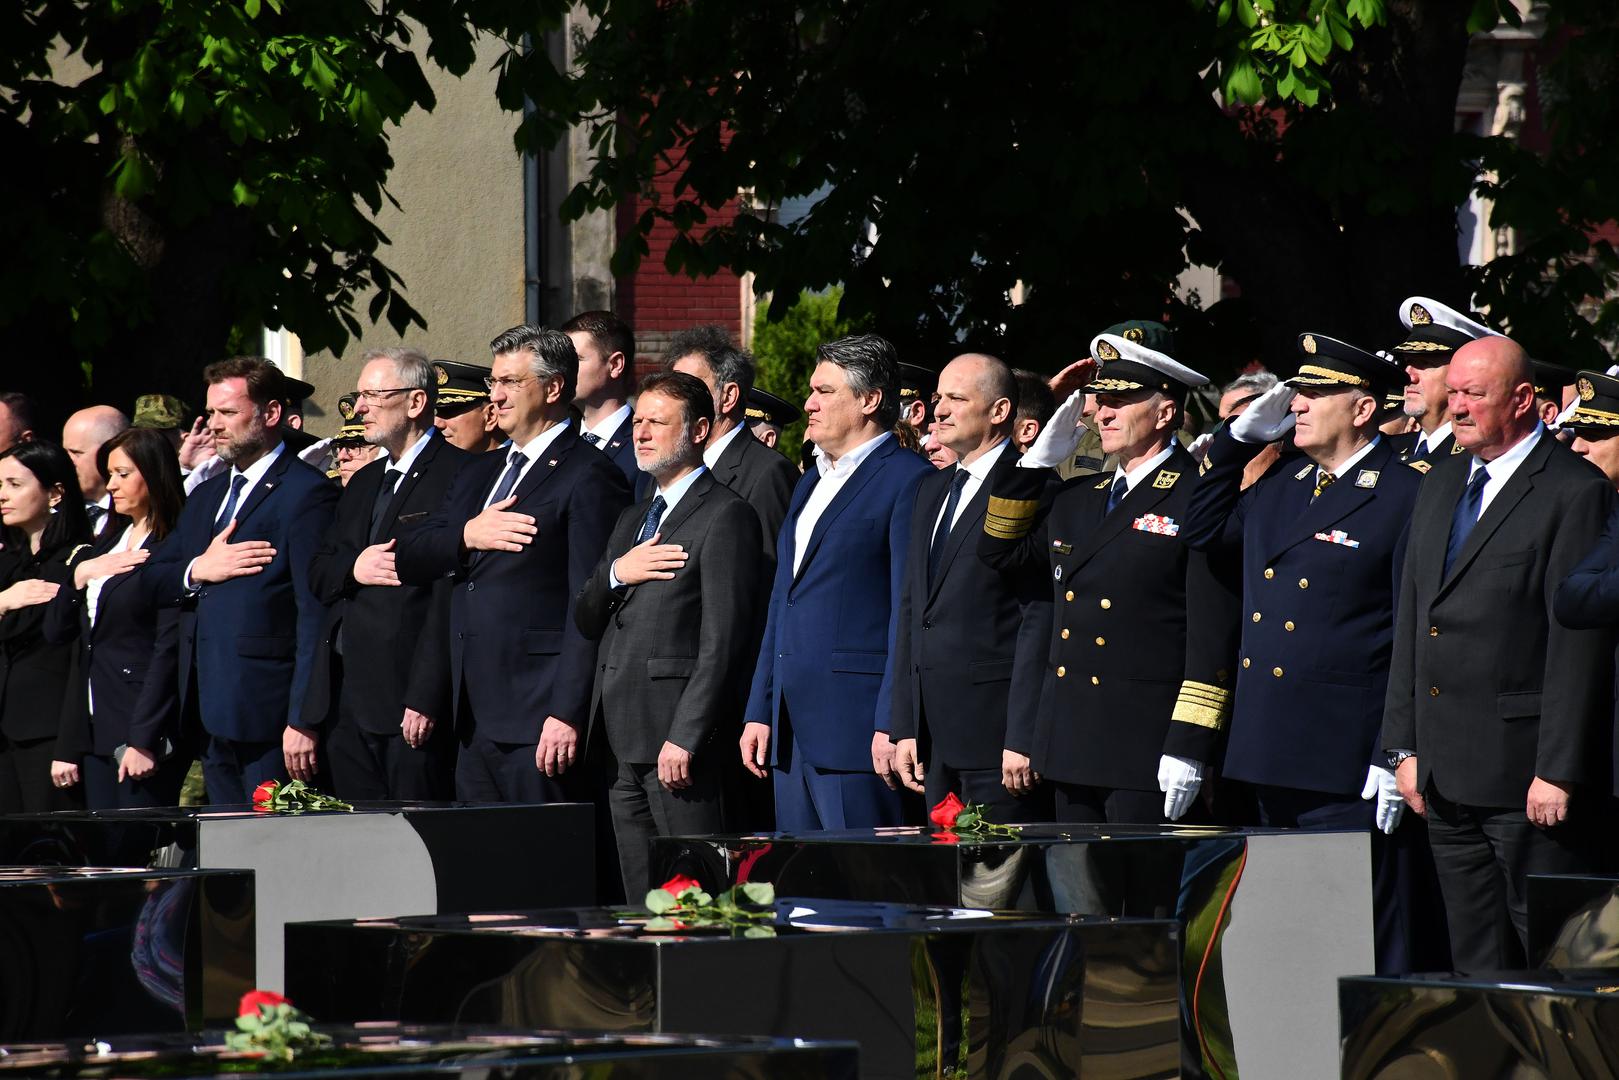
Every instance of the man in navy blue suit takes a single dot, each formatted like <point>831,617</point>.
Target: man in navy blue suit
<point>822,700</point>
<point>606,350</point>
<point>238,565</point>
<point>519,534</point>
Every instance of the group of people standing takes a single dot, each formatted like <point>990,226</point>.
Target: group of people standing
<point>553,584</point>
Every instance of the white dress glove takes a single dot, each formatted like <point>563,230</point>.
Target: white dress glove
<point>1380,785</point>
<point>1199,449</point>
<point>1268,418</point>
<point>1179,779</point>
<point>1060,437</point>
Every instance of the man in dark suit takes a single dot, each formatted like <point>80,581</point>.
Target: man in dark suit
<point>606,349</point>
<point>747,466</point>
<point>821,705</point>
<point>1321,538</point>
<point>238,564</point>
<point>1434,333</point>
<point>520,532</point>
<point>676,580</point>
<point>379,746</point>
<point>957,721</point>
<point>1492,717</point>
<point>1110,552</point>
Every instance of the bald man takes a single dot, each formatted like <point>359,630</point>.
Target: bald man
<point>82,438</point>
<point>1495,713</point>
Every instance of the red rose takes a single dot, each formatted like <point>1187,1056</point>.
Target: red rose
<point>253,999</point>
<point>264,794</point>
<point>679,884</point>
<point>944,815</point>
<point>946,838</point>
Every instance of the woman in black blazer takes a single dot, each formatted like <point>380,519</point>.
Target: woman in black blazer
<point>121,723</point>
<point>42,520</point>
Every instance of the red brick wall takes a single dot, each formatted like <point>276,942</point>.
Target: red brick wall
<point>656,302</point>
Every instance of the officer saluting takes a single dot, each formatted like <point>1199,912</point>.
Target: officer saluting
<point>1112,550</point>
<point>1434,334</point>
<point>1322,538</point>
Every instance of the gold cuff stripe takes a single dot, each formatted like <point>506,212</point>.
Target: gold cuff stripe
<point>1010,519</point>
<point>1202,705</point>
<point>1332,376</point>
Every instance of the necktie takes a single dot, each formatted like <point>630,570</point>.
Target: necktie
<point>942,532</point>
<point>379,506</point>
<point>1421,449</point>
<point>508,479</point>
<point>237,483</point>
<point>95,512</point>
<point>1121,488</point>
<point>654,514</point>
<point>1468,508</point>
<point>592,438</point>
<point>1323,480</point>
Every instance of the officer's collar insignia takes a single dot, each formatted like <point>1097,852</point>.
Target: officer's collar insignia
<point>1103,484</point>
<point>1455,447</point>
<point>1061,548</point>
<point>1304,471</point>
<point>1420,316</point>
<point>1105,352</point>
<point>1420,466</point>
<point>1366,478</point>
<point>1587,391</point>
<point>1165,479</point>
<point>1208,463</point>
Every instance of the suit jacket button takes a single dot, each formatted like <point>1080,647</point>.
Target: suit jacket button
<point>1433,691</point>
<point>1101,641</point>
<point>1245,661</point>
<point>1256,616</point>
<point>1069,595</point>
<point>1106,603</point>
<point>1433,631</point>
<point>471,585</point>
<point>1304,583</point>
<point>1096,680</point>
<point>1269,573</point>
<point>1061,671</point>
<point>1065,633</point>
<point>927,626</point>
<point>1276,672</point>
<point>1288,625</point>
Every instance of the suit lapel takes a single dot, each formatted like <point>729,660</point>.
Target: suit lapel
<point>621,436</point>
<point>1344,497</point>
<point>685,508</point>
<point>1500,508</point>
<point>969,523</point>
<point>842,500</point>
<point>118,579</point>
<point>396,501</point>
<point>543,469</point>
<point>267,484</point>
<point>1153,489</point>
<point>730,462</point>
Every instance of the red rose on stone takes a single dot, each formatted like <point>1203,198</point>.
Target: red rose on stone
<point>945,813</point>
<point>263,794</point>
<point>679,884</point>
<point>249,1005</point>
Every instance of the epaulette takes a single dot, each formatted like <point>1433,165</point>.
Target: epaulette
<point>1420,466</point>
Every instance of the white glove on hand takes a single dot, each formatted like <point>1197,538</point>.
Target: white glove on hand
<point>1390,806</point>
<point>1179,779</point>
<point>1199,449</point>
<point>1268,418</point>
<point>1060,437</point>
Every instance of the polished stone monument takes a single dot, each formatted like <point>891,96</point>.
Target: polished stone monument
<point>1574,921</point>
<point>94,952</point>
<point>381,859</point>
<point>395,1050</point>
<point>918,988</point>
<point>1245,898</point>
<point>1542,1024</point>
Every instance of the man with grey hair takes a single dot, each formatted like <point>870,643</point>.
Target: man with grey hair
<point>82,438</point>
<point>378,709</point>
<point>821,706</point>
<point>1243,391</point>
<point>753,470</point>
<point>519,534</point>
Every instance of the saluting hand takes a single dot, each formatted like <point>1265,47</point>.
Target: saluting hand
<point>1071,378</point>
<point>376,565</point>
<point>196,445</point>
<point>908,765</point>
<point>1060,437</point>
<point>224,560</point>
<point>649,561</point>
<point>498,529</point>
<point>756,749</point>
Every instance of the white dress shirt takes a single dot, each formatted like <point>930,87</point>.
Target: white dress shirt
<point>92,600</point>
<point>609,427</point>
<point>671,495</point>
<point>1428,443</point>
<point>1349,462</point>
<point>833,477</point>
<point>712,452</point>
<point>1140,472</point>
<point>254,473</point>
<point>532,450</point>
<point>412,452</point>
<point>977,473</point>
<point>1502,468</point>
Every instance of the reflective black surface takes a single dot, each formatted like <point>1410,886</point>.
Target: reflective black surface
<point>97,952</point>
<point>1527,1024</point>
<point>997,994</point>
<point>483,857</point>
<point>1574,921</point>
<point>414,1050</point>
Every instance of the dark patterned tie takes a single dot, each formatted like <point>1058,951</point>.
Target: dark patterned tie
<point>592,438</point>
<point>942,532</point>
<point>1468,508</point>
<point>237,483</point>
<point>654,514</point>
<point>508,480</point>
<point>379,506</point>
<point>1323,480</point>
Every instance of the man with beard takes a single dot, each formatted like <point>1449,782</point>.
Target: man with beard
<point>238,564</point>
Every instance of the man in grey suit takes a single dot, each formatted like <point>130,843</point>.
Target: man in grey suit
<point>764,478</point>
<point>679,577</point>
<point>1494,720</point>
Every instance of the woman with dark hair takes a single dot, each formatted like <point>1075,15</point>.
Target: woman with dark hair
<point>120,723</point>
<point>42,521</point>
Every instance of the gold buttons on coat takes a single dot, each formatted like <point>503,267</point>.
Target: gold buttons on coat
<point>1433,691</point>
<point>1070,595</point>
<point>1269,573</point>
<point>1288,625</point>
<point>1433,631</point>
<point>1101,641</point>
<point>1065,633</point>
<point>1304,583</point>
<point>1276,672</point>
<point>1106,603</point>
<point>1061,671</point>
<point>1245,661</point>
<point>1256,616</point>
<point>1095,681</point>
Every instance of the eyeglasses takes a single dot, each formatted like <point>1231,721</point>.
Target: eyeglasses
<point>372,397</point>
<point>507,384</point>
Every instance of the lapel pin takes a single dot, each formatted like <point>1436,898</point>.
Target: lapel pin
<point>1366,478</point>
